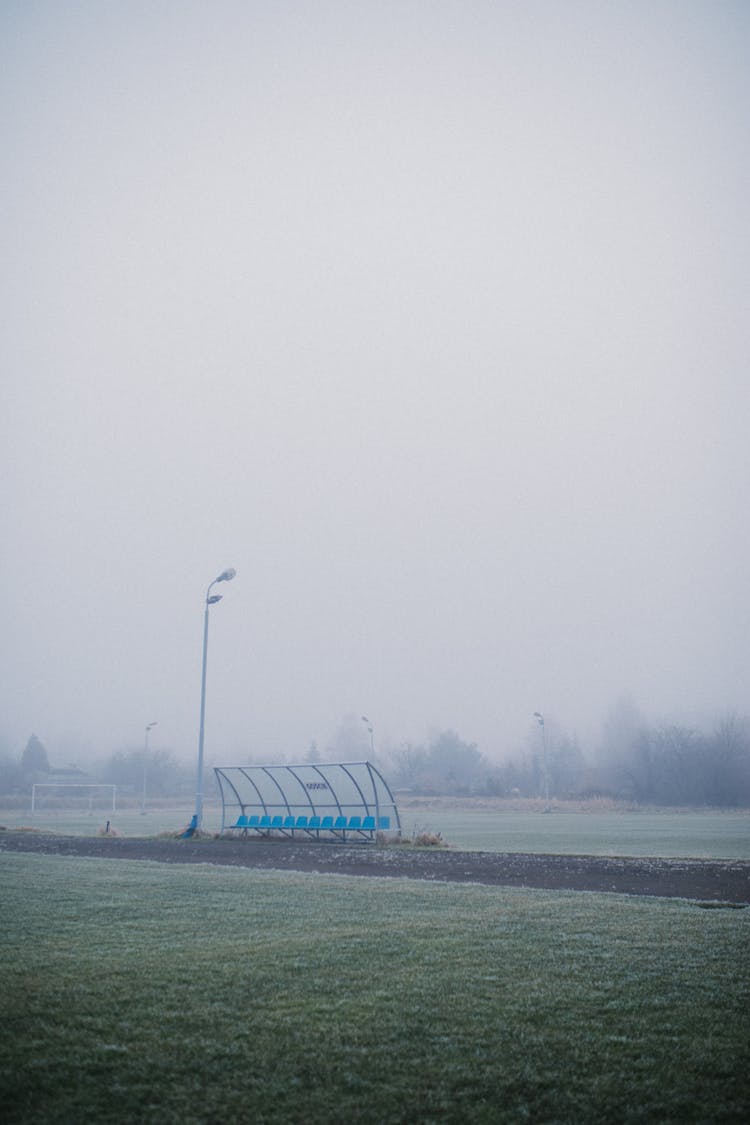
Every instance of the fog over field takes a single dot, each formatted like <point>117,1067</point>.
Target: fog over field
<point>431,318</point>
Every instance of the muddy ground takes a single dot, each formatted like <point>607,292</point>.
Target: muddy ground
<point>712,882</point>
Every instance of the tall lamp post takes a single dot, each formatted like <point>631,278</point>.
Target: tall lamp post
<point>145,760</point>
<point>368,724</point>
<point>211,599</point>
<point>540,719</point>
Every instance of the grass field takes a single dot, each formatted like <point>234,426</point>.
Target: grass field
<point>150,993</point>
<point>700,835</point>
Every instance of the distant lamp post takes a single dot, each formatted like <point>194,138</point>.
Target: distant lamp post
<point>368,724</point>
<point>145,760</point>
<point>211,599</point>
<point>540,720</point>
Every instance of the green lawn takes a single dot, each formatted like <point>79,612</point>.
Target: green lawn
<point>127,821</point>
<point>699,834</point>
<point>150,993</point>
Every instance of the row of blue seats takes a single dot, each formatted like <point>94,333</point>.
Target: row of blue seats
<point>313,824</point>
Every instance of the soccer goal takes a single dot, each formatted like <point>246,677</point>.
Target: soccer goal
<point>72,796</point>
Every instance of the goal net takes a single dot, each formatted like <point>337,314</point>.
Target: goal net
<point>65,796</point>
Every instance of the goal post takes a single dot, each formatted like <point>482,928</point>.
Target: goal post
<point>38,785</point>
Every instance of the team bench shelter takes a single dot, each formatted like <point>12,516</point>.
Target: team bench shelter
<point>333,801</point>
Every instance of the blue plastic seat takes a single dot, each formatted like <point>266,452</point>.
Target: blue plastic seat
<point>384,822</point>
<point>241,822</point>
<point>355,822</point>
<point>368,824</point>
<point>253,821</point>
<point>314,822</point>
<point>289,822</point>
<point>265,822</point>
<point>276,822</point>
<point>340,822</point>
<point>301,822</point>
<point>327,822</point>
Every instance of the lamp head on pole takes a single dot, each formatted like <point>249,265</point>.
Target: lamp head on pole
<point>226,575</point>
<point>539,718</point>
<point>213,599</point>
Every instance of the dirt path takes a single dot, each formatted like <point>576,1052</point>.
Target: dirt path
<point>713,882</point>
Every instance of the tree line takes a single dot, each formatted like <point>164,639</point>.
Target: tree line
<point>633,760</point>
<point>165,775</point>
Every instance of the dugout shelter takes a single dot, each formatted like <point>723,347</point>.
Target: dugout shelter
<point>334,801</point>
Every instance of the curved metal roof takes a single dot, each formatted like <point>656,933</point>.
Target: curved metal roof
<point>320,789</point>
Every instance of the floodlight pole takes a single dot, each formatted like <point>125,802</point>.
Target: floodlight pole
<point>540,720</point>
<point>368,724</point>
<point>145,759</point>
<point>211,599</point>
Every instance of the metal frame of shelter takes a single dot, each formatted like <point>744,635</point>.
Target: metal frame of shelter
<point>322,801</point>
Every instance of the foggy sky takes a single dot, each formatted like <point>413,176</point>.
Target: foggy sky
<point>430,318</point>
